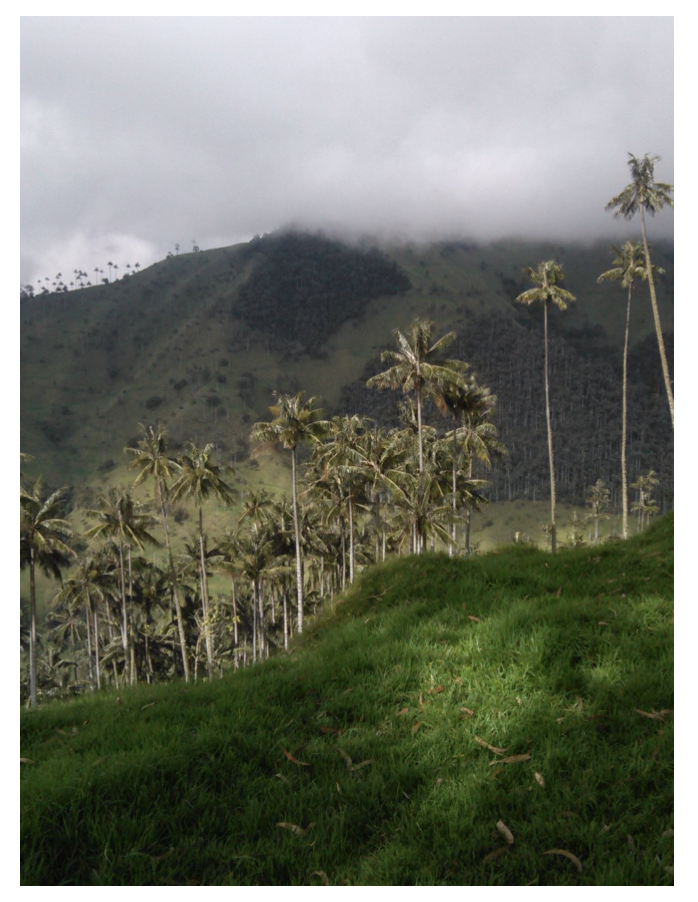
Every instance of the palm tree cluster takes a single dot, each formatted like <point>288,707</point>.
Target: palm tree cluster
<point>359,492</point>
<point>631,262</point>
<point>80,279</point>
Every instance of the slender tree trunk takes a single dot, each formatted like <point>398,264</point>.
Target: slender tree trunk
<point>254,621</point>
<point>88,618</point>
<point>297,531</point>
<point>553,527</point>
<point>132,631</point>
<point>452,543</point>
<point>262,637</point>
<point>419,425</point>
<point>624,435</point>
<point>344,559</point>
<point>351,541</point>
<point>204,597</point>
<point>468,510</point>
<point>32,632</point>
<point>124,614</point>
<point>97,670</point>
<point>657,324</point>
<point>233,598</point>
<point>173,581</point>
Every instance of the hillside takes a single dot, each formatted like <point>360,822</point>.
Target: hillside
<point>199,341</point>
<point>501,721</point>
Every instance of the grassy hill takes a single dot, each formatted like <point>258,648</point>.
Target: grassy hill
<point>199,341</point>
<point>505,720</point>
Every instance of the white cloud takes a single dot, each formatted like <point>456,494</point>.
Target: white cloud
<point>160,129</point>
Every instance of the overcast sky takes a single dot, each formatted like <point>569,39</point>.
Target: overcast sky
<point>140,133</point>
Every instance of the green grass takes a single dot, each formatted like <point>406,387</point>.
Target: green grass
<point>554,657</point>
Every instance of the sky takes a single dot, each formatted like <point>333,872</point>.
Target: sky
<point>142,133</point>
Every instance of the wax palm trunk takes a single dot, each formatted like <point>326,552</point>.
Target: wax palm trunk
<point>174,583</point>
<point>657,323</point>
<point>297,534</point>
<point>548,419</point>
<point>204,598</point>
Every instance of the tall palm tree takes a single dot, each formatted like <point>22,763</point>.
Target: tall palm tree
<point>545,278</point>
<point>151,460</point>
<point>340,474</point>
<point>646,195</point>
<point>199,478</point>
<point>43,543</point>
<point>88,583</point>
<point>418,366</point>
<point>470,405</point>
<point>628,265</point>
<point>126,523</point>
<point>295,421</point>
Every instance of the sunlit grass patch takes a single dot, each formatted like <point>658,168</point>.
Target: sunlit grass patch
<point>450,723</point>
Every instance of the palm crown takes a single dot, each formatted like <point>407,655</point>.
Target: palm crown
<point>643,192</point>
<point>545,277</point>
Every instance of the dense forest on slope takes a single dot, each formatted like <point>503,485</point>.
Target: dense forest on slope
<point>188,342</point>
<point>303,287</point>
<point>506,353</point>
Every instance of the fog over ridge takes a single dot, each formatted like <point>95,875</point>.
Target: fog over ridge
<point>141,133</point>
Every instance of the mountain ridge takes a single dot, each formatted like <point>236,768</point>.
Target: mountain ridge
<point>190,342</point>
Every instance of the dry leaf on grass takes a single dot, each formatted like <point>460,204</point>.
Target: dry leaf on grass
<point>474,619</point>
<point>436,690</point>
<point>655,715</point>
<point>347,759</point>
<point>26,761</point>
<point>505,831</point>
<point>573,858</point>
<point>322,875</point>
<point>486,745</point>
<point>467,712</point>
<point>417,726</point>
<point>497,852</point>
<point>539,779</point>
<point>511,759</point>
<point>294,760</point>
<point>404,711</point>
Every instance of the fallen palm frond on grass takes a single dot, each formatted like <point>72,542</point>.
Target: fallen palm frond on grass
<point>242,781</point>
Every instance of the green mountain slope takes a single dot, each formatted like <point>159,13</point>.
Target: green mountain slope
<point>501,721</point>
<point>199,341</point>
